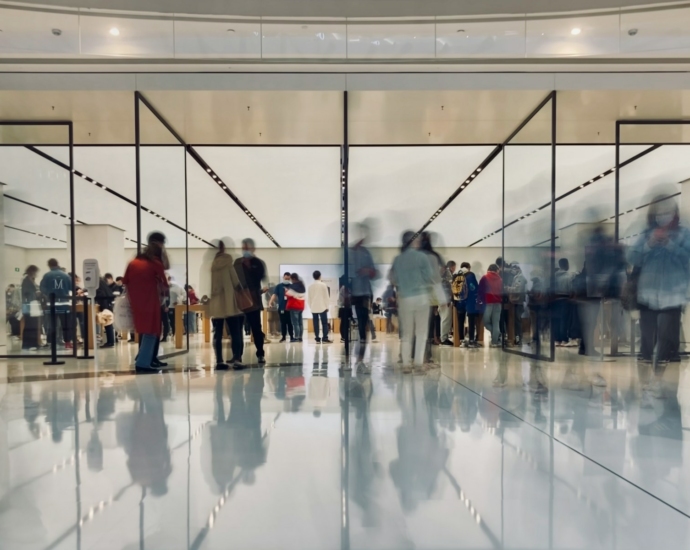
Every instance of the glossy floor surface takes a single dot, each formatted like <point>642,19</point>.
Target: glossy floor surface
<point>490,451</point>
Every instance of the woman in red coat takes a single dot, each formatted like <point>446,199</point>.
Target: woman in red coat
<point>146,285</point>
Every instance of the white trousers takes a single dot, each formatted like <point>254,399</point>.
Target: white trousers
<point>446,320</point>
<point>414,322</point>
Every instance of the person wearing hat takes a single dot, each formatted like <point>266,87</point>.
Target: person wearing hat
<point>147,286</point>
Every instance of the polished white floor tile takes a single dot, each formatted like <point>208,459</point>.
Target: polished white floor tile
<point>490,451</point>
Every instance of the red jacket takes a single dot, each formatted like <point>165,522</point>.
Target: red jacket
<point>146,283</point>
<point>491,288</point>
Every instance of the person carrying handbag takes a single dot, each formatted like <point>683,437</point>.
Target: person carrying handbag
<point>296,294</point>
<point>225,309</point>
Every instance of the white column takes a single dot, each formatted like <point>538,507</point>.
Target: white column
<point>102,242</point>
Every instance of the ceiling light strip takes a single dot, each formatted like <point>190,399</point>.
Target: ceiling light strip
<point>224,187</point>
<point>34,233</point>
<point>114,193</point>
<point>43,208</point>
<point>575,190</point>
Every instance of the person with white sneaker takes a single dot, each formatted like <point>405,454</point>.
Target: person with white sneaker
<point>318,298</point>
<point>413,278</point>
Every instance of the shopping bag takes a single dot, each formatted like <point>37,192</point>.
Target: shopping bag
<point>124,320</point>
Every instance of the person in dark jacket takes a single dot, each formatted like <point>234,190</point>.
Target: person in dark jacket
<point>252,272</point>
<point>31,336</point>
<point>104,300</point>
<point>59,283</point>
<point>296,297</point>
<point>468,302</point>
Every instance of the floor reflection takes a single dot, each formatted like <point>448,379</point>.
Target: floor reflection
<point>491,451</point>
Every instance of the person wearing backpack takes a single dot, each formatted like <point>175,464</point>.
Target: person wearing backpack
<point>516,296</point>
<point>466,293</point>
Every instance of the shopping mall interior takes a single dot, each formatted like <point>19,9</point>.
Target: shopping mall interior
<point>310,135</point>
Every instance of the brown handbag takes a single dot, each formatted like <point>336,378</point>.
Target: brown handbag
<point>244,299</point>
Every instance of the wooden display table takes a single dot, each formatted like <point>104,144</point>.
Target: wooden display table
<point>179,322</point>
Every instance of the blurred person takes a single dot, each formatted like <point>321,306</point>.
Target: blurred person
<point>13,307</point>
<point>224,310</point>
<point>562,305</point>
<point>104,300</point>
<point>538,304</point>
<point>147,287</point>
<point>660,260</point>
<point>296,297</point>
<point>517,293</point>
<point>119,286</point>
<point>601,278</point>
<point>110,281</point>
<point>190,318</point>
<point>177,298</point>
<point>279,298</point>
<point>413,277</point>
<point>319,302</point>
<point>491,294</point>
<point>390,307</point>
<point>31,337</point>
<point>377,307</point>
<point>59,283</point>
<point>469,304</point>
<point>506,273</point>
<point>252,272</point>
<point>447,275</point>
<point>344,308</point>
<point>439,299</point>
<point>272,311</point>
<point>362,272</point>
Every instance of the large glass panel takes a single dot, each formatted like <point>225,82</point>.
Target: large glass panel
<point>526,264</point>
<point>163,193</point>
<point>35,237</point>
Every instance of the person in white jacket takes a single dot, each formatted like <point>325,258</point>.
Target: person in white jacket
<point>318,298</point>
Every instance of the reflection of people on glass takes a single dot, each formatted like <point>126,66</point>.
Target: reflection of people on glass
<point>147,446</point>
<point>31,313</point>
<point>660,260</point>
<point>362,272</point>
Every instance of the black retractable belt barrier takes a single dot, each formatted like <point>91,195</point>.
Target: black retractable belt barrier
<point>53,334</point>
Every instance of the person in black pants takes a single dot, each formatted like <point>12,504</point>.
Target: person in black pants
<point>234,325</point>
<point>31,336</point>
<point>252,272</point>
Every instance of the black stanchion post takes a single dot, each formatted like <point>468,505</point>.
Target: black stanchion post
<point>53,334</point>
<point>86,323</point>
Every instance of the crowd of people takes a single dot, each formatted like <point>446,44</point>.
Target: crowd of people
<point>425,293</point>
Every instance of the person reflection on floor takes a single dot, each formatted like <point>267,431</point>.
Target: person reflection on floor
<point>366,468</point>
<point>238,447</point>
<point>422,451</point>
<point>146,444</point>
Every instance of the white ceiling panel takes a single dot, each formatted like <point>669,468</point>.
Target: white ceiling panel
<point>32,178</point>
<point>391,40</point>
<point>574,36</point>
<point>482,38</point>
<point>163,181</point>
<point>401,187</point>
<point>292,191</point>
<point>217,38</point>
<point>110,35</point>
<point>21,239</point>
<point>321,40</point>
<point>114,167</point>
<point>214,215</point>
<point>36,33</point>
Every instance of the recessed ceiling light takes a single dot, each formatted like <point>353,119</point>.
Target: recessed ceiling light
<point>114,31</point>
<point>575,31</point>
<point>231,30</point>
<point>460,30</point>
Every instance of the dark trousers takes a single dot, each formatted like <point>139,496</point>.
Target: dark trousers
<point>166,324</point>
<point>31,337</point>
<point>110,335</point>
<point>171,317</point>
<point>285,324</point>
<point>472,326</point>
<point>345,315</point>
<point>661,328</point>
<point>361,304</point>
<point>562,311</point>
<point>15,325</point>
<point>253,319</point>
<point>234,325</point>
<point>323,317</point>
<point>503,324</point>
<point>62,322</point>
<point>461,314</point>
<point>518,310</point>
